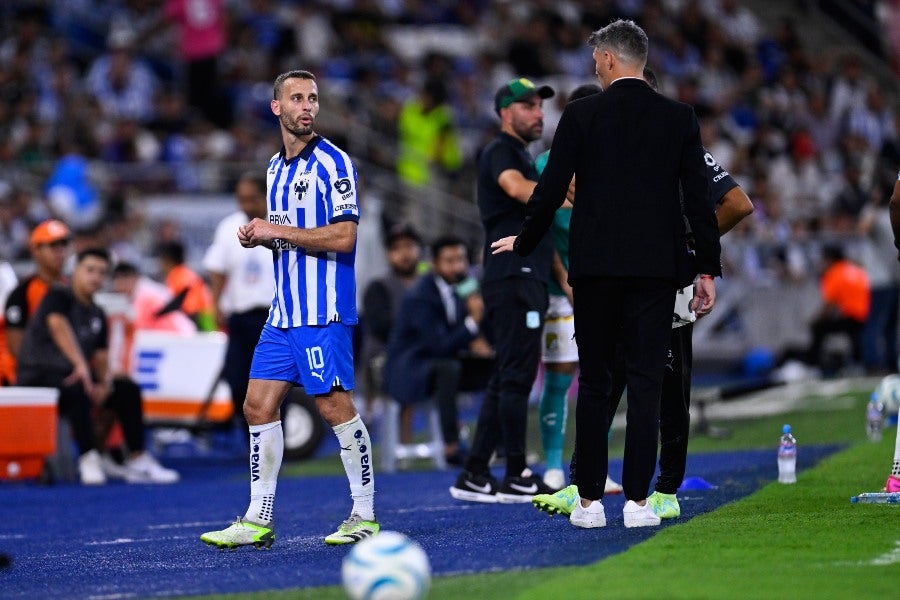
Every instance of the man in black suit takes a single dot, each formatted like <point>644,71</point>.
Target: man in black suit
<point>439,318</point>
<point>638,163</point>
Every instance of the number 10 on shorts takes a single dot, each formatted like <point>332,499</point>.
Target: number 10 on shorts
<point>315,357</point>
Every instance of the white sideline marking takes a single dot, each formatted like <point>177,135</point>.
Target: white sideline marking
<point>12,536</point>
<point>183,525</point>
<point>121,541</point>
<point>111,596</point>
<point>888,558</point>
<point>466,506</point>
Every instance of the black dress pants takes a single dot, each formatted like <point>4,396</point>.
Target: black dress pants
<point>514,316</point>
<point>674,410</point>
<point>636,315</point>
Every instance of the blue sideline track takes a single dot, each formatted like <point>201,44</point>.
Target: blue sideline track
<point>141,541</point>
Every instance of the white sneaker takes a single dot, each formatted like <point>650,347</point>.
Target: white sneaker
<point>611,487</point>
<point>90,468</point>
<point>145,469</point>
<point>636,515</point>
<point>555,479</point>
<point>111,468</point>
<point>590,517</point>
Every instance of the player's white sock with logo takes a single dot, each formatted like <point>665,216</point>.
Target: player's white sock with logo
<point>356,454</point>
<point>266,452</point>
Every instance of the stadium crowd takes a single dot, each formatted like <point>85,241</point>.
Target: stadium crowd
<point>104,103</point>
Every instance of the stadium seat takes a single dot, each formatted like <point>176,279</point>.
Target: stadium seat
<point>390,448</point>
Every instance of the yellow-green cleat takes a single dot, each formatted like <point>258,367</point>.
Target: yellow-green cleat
<point>353,530</point>
<point>241,533</point>
<point>664,505</point>
<point>561,503</point>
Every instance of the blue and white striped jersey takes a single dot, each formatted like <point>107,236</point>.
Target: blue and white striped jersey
<point>314,189</point>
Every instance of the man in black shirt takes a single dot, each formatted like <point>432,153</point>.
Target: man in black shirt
<point>65,346</point>
<point>515,298</point>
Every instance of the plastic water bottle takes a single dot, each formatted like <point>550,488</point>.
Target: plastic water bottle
<point>876,498</point>
<point>787,456</point>
<point>874,419</point>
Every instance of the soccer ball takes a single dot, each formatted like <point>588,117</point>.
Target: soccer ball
<point>888,394</point>
<point>387,566</point>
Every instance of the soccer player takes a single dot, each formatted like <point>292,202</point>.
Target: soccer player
<point>311,229</point>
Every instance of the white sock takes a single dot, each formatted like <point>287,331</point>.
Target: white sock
<point>356,454</point>
<point>266,451</point>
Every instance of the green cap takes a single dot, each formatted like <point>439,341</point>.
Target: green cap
<point>519,90</point>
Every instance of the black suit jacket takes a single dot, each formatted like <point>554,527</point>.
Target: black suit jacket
<point>421,333</point>
<point>633,152</point>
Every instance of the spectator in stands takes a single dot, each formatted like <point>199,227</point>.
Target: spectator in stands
<point>202,39</point>
<point>71,194</point>
<point>196,297</point>
<point>65,346</point>
<point>381,304</point>
<point>854,192</point>
<point>242,282</point>
<point>738,22</point>
<point>441,319</point>
<point>13,227</point>
<point>848,92</point>
<point>823,128</point>
<point>121,83</point>
<point>873,122</point>
<point>429,148</point>
<point>796,178</point>
<point>49,244</point>
<point>428,139</point>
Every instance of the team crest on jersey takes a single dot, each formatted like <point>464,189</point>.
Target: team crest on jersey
<point>300,189</point>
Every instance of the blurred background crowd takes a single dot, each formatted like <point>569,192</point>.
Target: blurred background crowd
<point>110,106</point>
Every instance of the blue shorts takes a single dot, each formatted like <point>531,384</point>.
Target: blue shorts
<point>318,358</point>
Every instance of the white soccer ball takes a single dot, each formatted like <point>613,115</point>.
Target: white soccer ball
<point>387,566</point>
<point>888,393</point>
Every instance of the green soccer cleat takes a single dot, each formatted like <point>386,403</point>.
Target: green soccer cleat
<point>561,503</point>
<point>353,530</point>
<point>241,533</point>
<point>664,505</point>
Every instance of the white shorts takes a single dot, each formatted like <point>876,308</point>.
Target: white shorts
<point>559,333</point>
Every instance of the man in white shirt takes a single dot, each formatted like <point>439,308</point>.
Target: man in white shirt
<point>242,283</point>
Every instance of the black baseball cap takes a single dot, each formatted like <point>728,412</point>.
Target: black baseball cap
<point>519,90</point>
<point>400,231</point>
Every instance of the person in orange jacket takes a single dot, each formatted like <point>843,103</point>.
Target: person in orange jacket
<point>196,297</point>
